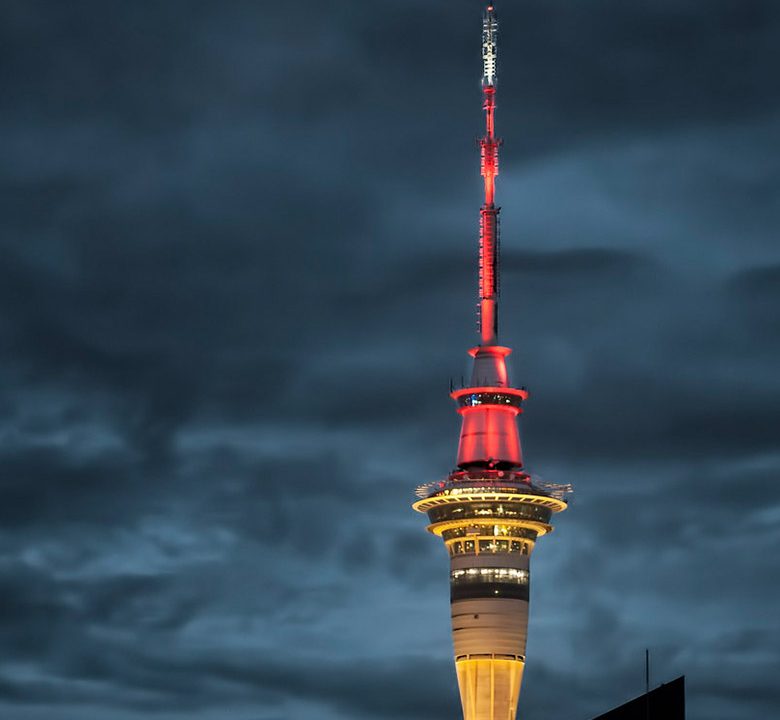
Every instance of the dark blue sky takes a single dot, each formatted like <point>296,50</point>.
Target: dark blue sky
<point>237,271</point>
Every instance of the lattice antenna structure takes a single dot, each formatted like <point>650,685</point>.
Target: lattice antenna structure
<point>488,220</point>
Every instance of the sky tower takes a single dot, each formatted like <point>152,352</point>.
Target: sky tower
<point>489,512</point>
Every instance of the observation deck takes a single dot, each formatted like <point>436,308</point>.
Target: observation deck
<point>490,504</point>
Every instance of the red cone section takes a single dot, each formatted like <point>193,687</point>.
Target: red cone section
<point>489,436</point>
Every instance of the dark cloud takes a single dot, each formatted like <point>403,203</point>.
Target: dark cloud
<point>237,272</point>
<point>111,667</point>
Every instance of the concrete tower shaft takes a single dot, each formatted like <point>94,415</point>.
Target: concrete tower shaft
<point>489,521</point>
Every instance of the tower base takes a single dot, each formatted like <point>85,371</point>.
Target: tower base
<point>489,687</point>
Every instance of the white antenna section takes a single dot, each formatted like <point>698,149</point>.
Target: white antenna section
<point>489,46</point>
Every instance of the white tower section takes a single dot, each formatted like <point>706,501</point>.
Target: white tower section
<point>489,38</point>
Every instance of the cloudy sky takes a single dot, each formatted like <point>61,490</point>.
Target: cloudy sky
<point>237,272</point>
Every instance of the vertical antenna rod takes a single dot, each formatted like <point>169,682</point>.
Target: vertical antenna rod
<point>488,224</point>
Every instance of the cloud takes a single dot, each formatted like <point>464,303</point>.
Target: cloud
<point>237,271</point>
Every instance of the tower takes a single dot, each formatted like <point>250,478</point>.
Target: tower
<point>489,511</point>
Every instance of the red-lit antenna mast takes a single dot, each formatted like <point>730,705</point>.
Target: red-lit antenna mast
<point>488,223</point>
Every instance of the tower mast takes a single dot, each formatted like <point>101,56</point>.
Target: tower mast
<point>488,222</point>
<point>489,512</point>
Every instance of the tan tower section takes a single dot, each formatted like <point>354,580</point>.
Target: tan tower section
<point>489,521</point>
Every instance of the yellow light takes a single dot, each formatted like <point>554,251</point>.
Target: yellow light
<point>529,499</point>
<point>539,528</point>
<point>489,687</point>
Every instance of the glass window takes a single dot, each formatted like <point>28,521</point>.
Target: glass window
<point>485,509</point>
<point>511,576</point>
<point>476,582</point>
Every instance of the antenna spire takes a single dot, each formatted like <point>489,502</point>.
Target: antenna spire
<point>489,38</point>
<point>488,222</point>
